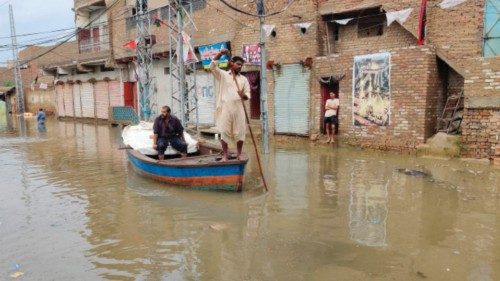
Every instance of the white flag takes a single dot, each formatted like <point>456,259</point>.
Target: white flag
<point>188,51</point>
<point>344,21</point>
<point>447,4</point>
<point>304,25</point>
<point>268,29</point>
<point>399,16</point>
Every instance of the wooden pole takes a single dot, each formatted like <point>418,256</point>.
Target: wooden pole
<point>251,134</point>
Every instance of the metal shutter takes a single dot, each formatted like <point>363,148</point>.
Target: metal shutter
<point>115,95</point>
<point>101,99</point>
<point>77,102</point>
<point>68,100</point>
<point>60,100</point>
<point>205,90</point>
<point>87,95</point>
<point>291,100</point>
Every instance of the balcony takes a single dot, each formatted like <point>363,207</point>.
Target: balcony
<point>79,4</point>
<point>93,39</point>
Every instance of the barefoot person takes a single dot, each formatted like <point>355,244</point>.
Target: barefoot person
<point>229,112</point>
<point>331,120</point>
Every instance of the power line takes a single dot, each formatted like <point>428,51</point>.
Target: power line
<point>69,37</point>
<point>5,2</point>
<point>256,15</point>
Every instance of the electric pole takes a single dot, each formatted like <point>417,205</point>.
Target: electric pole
<point>17,66</point>
<point>263,80</point>
<point>145,44</point>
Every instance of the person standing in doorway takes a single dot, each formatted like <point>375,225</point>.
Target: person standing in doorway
<point>167,130</point>
<point>229,112</point>
<point>331,119</point>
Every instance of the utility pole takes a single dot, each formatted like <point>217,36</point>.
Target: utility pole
<point>145,44</point>
<point>182,86</point>
<point>17,67</point>
<point>181,68</point>
<point>263,80</point>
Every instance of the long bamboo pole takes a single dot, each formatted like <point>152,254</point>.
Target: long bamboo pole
<point>251,134</point>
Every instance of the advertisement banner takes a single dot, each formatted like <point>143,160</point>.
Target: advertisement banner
<point>251,53</point>
<point>371,90</point>
<point>208,52</point>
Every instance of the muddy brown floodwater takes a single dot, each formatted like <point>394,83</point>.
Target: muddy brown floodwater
<point>71,208</point>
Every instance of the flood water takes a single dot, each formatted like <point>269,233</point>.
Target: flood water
<point>71,208</point>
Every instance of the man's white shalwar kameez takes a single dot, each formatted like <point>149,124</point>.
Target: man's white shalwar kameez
<point>229,111</point>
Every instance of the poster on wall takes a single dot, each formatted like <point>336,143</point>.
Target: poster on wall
<point>371,90</point>
<point>251,53</point>
<point>208,52</point>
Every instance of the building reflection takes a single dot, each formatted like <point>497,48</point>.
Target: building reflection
<point>367,205</point>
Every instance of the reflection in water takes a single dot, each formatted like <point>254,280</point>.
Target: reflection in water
<point>72,208</point>
<point>367,205</point>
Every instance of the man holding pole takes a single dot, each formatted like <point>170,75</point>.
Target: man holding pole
<point>233,89</point>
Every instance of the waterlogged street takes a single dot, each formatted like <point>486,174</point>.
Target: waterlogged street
<point>71,208</point>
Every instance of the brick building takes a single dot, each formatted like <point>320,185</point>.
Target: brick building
<point>320,46</point>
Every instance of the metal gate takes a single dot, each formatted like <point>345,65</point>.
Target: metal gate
<point>491,45</point>
<point>87,94</point>
<point>77,99</point>
<point>291,100</point>
<point>101,99</point>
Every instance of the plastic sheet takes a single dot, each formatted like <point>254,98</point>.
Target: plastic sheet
<point>139,137</point>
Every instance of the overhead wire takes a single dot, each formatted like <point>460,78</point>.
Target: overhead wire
<point>69,37</point>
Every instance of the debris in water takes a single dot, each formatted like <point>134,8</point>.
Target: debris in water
<point>414,173</point>
<point>17,274</point>
<point>421,274</point>
<point>218,226</point>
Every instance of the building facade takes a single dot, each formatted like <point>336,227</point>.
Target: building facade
<point>392,89</point>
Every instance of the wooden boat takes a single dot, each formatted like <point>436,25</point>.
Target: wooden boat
<point>201,170</point>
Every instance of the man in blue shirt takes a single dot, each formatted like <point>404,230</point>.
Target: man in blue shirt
<point>168,129</point>
<point>40,116</point>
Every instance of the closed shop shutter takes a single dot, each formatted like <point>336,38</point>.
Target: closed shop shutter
<point>115,95</point>
<point>101,99</point>
<point>68,100</point>
<point>77,102</point>
<point>491,46</point>
<point>88,105</point>
<point>60,100</point>
<point>205,92</point>
<point>291,100</point>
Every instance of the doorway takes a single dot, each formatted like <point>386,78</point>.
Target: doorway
<point>329,85</point>
<point>254,81</point>
<point>130,95</point>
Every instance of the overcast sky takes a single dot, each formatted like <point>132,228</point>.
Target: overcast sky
<point>33,16</point>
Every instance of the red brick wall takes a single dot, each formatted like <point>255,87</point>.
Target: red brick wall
<point>480,133</point>
<point>481,123</point>
<point>414,89</point>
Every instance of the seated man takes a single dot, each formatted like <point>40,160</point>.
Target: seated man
<point>168,130</point>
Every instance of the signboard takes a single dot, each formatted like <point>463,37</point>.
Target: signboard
<point>251,53</point>
<point>208,52</point>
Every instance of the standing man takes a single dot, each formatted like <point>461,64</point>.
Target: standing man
<point>168,130</point>
<point>331,119</point>
<point>40,116</point>
<point>229,112</point>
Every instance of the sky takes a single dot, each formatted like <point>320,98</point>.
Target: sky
<point>32,16</point>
